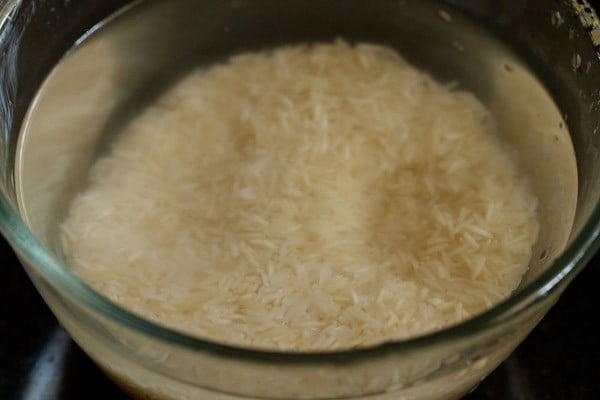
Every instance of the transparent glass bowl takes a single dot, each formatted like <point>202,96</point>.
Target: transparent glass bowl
<point>558,41</point>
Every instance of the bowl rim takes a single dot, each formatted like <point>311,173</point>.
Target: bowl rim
<point>562,270</point>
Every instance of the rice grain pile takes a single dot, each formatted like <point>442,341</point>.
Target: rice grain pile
<point>308,198</point>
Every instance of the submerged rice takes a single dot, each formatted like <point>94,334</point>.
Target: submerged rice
<point>308,198</point>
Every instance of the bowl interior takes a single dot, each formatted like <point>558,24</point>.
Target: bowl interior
<point>131,58</point>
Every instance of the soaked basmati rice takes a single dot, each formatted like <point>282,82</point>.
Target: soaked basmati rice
<point>308,198</point>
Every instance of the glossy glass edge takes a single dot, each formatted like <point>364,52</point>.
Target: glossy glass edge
<point>555,278</point>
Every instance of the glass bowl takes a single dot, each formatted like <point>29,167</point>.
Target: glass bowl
<point>557,42</point>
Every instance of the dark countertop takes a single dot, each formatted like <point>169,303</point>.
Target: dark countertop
<point>38,360</point>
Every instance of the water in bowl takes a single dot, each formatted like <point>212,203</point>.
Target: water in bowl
<point>126,62</point>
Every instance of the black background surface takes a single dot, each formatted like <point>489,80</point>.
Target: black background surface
<point>558,361</point>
